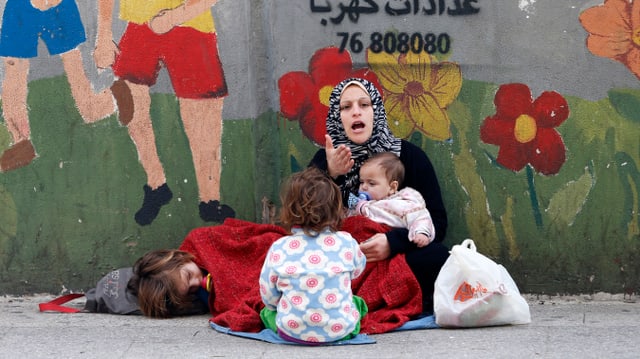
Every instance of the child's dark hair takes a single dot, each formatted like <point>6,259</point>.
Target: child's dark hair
<point>390,163</point>
<point>312,201</point>
<point>154,280</point>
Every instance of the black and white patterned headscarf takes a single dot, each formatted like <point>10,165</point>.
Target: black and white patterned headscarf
<point>381,140</point>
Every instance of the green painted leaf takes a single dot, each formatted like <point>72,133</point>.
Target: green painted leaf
<point>565,204</point>
<point>8,223</point>
<point>626,102</point>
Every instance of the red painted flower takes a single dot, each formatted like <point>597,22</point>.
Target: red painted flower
<point>525,129</point>
<point>304,97</point>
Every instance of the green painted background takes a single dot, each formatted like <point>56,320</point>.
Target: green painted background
<point>67,219</point>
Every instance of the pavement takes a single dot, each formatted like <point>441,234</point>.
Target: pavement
<point>600,326</point>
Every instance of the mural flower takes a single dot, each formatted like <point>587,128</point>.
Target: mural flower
<point>614,31</point>
<point>525,129</point>
<point>417,92</point>
<point>304,97</point>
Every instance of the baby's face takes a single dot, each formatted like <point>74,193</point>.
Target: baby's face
<point>374,181</point>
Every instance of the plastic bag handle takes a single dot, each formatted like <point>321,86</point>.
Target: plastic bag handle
<point>468,243</point>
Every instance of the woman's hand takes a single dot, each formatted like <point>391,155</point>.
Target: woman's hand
<point>376,248</point>
<point>339,160</point>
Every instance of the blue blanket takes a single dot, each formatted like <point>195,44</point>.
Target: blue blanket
<point>269,336</point>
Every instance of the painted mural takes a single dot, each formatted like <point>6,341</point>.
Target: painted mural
<point>543,175</point>
<point>508,152</point>
<point>181,36</point>
<point>136,58</point>
<point>58,24</point>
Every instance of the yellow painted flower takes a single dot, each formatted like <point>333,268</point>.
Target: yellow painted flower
<point>417,92</point>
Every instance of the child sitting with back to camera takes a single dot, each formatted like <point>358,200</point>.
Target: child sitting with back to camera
<point>380,200</point>
<point>305,282</point>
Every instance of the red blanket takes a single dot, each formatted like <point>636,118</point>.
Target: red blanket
<point>234,252</point>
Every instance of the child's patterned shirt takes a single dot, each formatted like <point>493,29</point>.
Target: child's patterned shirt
<point>307,280</point>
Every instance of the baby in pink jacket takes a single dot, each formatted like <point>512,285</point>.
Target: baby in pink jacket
<point>382,201</point>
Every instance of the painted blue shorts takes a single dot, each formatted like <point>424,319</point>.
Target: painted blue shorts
<point>60,28</point>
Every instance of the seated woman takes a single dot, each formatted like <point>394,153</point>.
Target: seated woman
<point>233,252</point>
<point>356,129</point>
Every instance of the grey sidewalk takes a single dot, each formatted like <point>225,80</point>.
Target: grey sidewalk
<point>580,327</point>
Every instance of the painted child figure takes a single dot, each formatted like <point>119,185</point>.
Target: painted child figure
<point>305,282</point>
<point>58,25</point>
<point>181,36</point>
<point>381,201</point>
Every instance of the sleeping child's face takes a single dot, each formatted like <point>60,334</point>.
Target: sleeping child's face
<point>374,181</point>
<point>190,279</point>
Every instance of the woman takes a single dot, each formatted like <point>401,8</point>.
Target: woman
<point>356,129</point>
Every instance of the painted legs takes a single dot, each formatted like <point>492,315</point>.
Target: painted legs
<point>202,120</point>
<point>91,106</point>
<point>16,115</point>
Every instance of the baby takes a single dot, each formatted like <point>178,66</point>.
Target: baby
<point>380,200</point>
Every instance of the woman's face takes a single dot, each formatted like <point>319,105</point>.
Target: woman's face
<point>356,114</point>
<point>190,279</point>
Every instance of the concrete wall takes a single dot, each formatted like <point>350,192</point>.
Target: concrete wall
<point>565,219</point>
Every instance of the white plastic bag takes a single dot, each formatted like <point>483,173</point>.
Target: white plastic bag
<point>474,291</point>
